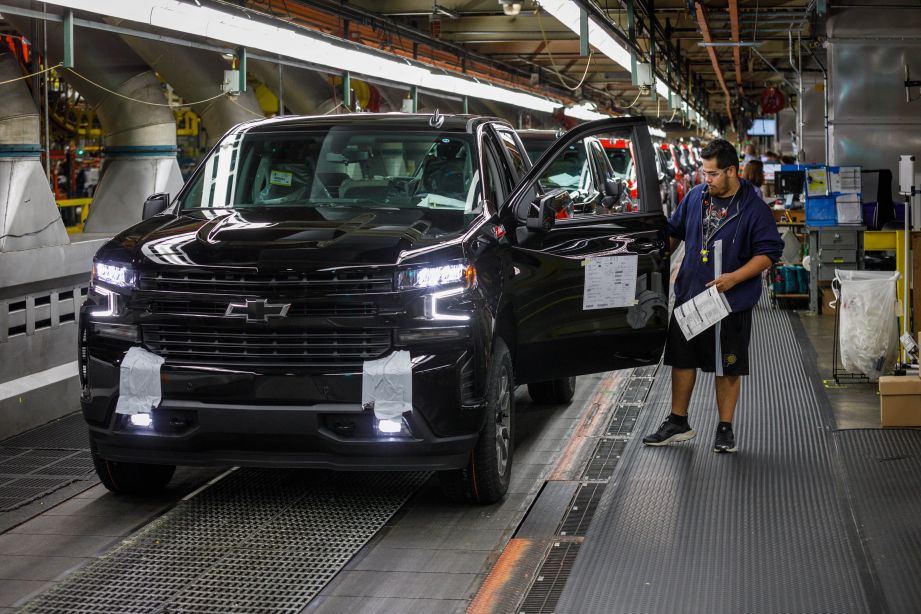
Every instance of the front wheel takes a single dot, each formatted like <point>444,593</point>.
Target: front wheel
<point>132,478</point>
<point>554,392</point>
<point>486,477</point>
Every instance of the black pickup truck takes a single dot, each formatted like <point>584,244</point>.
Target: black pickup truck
<point>304,252</point>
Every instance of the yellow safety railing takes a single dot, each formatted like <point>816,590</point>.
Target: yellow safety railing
<point>83,212</point>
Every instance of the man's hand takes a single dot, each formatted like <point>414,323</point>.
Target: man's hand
<point>725,282</point>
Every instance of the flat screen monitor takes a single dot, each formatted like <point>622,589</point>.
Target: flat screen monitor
<point>789,182</point>
<point>763,127</point>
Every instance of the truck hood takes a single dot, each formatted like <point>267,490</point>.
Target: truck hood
<point>290,238</point>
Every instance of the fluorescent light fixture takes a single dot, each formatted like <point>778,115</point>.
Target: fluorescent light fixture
<point>240,31</point>
<point>567,13</point>
<point>585,111</point>
<point>731,44</point>
<point>142,420</point>
<point>657,132</point>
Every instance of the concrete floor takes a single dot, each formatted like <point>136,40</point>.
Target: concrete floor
<point>855,405</point>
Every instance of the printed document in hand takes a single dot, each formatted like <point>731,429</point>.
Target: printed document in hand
<point>610,281</point>
<point>701,312</point>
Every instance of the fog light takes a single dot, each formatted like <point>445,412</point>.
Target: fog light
<point>141,420</point>
<point>390,426</point>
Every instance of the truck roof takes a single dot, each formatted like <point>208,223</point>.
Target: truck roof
<point>398,121</point>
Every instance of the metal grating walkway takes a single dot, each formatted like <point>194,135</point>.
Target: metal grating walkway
<point>254,541</point>
<point>681,529</point>
<point>43,460</point>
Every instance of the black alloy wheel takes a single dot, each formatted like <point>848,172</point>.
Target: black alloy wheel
<point>486,477</point>
<point>554,392</point>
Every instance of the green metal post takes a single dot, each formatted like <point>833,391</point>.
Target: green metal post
<point>583,32</point>
<point>414,93</point>
<point>241,66</point>
<point>631,34</point>
<point>68,39</point>
<point>466,107</point>
<point>347,89</point>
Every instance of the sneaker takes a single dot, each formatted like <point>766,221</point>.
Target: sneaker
<point>668,433</point>
<point>725,440</point>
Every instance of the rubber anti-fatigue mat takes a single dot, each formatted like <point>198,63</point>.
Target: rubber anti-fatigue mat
<point>883,470</point>
<point>682,529</point>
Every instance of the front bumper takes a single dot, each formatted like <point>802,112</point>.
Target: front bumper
<point>280,418</point>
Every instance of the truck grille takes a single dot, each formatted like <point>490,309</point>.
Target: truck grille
<point>241,347</point>
<point>219,308</point>
<point>316,283</point>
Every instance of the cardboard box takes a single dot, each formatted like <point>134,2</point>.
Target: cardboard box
<point>899,401</point>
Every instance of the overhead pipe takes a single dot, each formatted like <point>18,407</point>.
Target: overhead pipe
<point>799,94</point>
<point>705,31</point>
<point>139,137</point>
<point>736,51</point>
<point>29,217</point>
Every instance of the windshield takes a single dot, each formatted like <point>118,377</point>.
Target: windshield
<point>340,167</point>
<point>620,160</point>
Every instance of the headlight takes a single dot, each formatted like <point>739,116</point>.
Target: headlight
<point>432,277</point>
<point>115,274</point>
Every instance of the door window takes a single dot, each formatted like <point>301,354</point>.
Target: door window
<point>583,167</point>
<point>514,152</point>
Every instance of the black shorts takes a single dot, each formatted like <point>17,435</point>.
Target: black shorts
<point>700,352</point>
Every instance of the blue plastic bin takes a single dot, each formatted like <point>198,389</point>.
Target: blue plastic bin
<point>821,211</point>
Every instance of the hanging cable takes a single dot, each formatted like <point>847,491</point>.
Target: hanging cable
<point>153,104</point>
<point>35,74</point>
<point>247,109</point>
<point>553,65</point>
<point>635,100</point>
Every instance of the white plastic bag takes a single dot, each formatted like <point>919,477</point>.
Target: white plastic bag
<point>868,333</point>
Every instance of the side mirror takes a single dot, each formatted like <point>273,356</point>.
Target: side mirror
<point>614,187</point>
<point>155,203</point>
<point>547,206</point>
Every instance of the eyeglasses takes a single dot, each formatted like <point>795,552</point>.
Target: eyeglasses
<point>715,174</point>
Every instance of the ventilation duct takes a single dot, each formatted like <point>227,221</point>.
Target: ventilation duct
<point>140,137</point>
<point>29,217</point>
<point>195,75</point>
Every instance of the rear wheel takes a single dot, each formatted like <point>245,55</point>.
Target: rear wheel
<point>554,392</point>
<point>132,478</point>
<point>486,477</point>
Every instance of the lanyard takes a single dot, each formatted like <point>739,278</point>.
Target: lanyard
<point>705,202</point>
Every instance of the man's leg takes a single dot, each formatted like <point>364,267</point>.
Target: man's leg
<point>727,395</point>
<point>683,381</point>
<point>676,427</point>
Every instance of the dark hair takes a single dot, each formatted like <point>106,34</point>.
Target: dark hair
<point>754,172</point>
<point>787,159</point>
<point>724,153</point>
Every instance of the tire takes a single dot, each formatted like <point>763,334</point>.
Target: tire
<point>132,478</point>
<point>554,392</point>
<point>486,477</point>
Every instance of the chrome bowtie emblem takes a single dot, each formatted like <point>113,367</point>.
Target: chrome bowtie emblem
<point>259,310</point>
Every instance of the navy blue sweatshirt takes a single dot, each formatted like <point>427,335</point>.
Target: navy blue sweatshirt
<point>749,230</point>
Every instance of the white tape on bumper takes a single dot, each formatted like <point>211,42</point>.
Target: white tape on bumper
<point>387,383</point>
<point>139,382</point>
